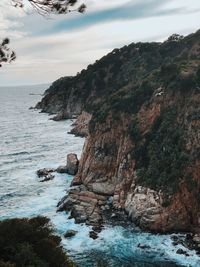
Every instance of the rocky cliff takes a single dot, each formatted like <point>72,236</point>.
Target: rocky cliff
<point>142,154</point>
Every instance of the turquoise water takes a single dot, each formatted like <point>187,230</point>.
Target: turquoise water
<point>29,141</point>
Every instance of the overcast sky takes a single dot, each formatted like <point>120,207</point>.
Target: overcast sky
<point>63,45</point>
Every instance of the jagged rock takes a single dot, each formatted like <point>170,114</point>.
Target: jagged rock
<point>72,164</point>
<point>48,178</point>
<point>80,126</point>
<point>44,172</point>
<point>181,251</point>
<point>70,233</point>
<point>93,235</point>
<point>97,229</point>
<point>84,206</point>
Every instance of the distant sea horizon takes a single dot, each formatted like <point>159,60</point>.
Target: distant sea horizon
<point>25,85</point>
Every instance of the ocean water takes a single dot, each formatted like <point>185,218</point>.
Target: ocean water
<point>29,141</point>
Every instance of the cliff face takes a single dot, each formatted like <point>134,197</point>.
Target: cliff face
<point>109,166</point>
<point>142,154</point>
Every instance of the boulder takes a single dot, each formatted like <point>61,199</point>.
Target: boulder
<point>44,172</point>
<point>181,252</point>
<point>62,169</point>
<point>70,233</point>
<point>72,164</point>
<point>93,235</point>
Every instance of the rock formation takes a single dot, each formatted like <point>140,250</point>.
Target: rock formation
<point>142,150</point>
<point>80,126</point>
<point>46,173</point>
<point>72,165</point>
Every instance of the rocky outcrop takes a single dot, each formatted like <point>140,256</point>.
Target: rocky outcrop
<point>66,104</point>
<point>72,165</point>
<point>46,173</point>
<point>70,233</point>
<point>85,206</point>
<point>80,126</point>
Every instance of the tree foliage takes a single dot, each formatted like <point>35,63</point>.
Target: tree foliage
<point>6,54</point>
<point>31,242</point>
<point>46,7</point>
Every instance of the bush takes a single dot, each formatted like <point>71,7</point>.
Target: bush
<point>30,242</point>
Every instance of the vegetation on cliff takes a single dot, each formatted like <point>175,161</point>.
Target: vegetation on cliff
<point>30,242</point>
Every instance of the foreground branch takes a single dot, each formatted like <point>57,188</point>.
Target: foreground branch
<point>47,7</point>
<point>6,54</point>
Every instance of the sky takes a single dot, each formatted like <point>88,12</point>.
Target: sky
<point>49,48</point>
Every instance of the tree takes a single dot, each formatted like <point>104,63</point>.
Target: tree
<point>6,54</point>
<point>44,8</point>
<point>175,38</point>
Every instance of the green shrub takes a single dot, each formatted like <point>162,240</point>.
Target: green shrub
<point>30,243</point>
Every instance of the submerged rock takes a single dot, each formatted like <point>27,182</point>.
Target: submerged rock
<point>70,233</point>
<point>93,235</point>
<point>44,172</point>
<point>48,178</point>
<point>181,252</point>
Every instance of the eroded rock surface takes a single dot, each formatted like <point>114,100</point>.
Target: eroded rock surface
<point>85,206</point>
<point>80,126</point>
<point>71,166</point>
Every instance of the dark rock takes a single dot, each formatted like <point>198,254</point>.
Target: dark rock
<point>143,246</point>
<point>175,243</point>
<point>62,200</point>
<point>70,233</point>
<point>44,172</point>
<point>181,251</point>
<point>97,228</point>
<point>48,178</point>
<point>62,169</point>
<point>93,235</point>
<point>72,164</point>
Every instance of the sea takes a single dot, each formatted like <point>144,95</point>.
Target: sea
<point>30,140</point>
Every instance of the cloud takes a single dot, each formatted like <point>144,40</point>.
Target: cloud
<point>10,24</point>
<point>130,10</point>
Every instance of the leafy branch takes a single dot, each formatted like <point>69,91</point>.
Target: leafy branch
<point>6,54</point>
